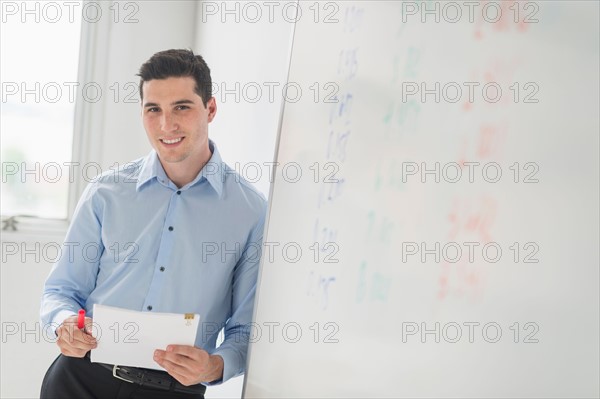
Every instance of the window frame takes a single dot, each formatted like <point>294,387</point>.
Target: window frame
<point>93,49</point>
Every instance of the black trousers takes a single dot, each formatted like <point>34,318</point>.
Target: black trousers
<point>78,378</point>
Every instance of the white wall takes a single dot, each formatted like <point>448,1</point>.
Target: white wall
<point>246,60</point>
<point>26,350</point>
<point>113,133</point>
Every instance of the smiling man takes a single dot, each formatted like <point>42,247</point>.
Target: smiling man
<point>177,231</point>
<point>176,121</point>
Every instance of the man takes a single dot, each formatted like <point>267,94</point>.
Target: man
<point>177,231</point>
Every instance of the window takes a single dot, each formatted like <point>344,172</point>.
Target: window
<point>39,66</point>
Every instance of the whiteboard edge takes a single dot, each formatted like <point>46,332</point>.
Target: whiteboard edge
<point>271,191</point>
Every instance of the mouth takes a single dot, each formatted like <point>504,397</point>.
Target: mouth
<point>172,142</point>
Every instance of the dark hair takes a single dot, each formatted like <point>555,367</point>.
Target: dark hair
<point>178,63</point>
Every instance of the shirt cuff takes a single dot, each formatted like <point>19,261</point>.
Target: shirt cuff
<point>60,317</point>
<point>232,365</point>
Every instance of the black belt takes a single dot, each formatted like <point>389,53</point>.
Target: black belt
<point>152,379</point>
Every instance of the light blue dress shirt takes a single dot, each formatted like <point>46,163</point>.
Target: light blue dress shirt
<point>138,242</point>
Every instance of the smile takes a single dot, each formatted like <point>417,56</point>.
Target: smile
<point>173,141</point>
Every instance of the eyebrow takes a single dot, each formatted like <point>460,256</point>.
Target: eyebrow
<point>178,102</point>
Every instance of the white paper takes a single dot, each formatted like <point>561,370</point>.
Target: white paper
<point>129,338</point>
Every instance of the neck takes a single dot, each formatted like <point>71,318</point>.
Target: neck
<point>182,173</point>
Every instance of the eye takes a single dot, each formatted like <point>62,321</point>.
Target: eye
<point>181,107</point>
<point>152,109</point>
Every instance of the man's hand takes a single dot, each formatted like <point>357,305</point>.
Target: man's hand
<point>190,365</point>
<point>75,342</point>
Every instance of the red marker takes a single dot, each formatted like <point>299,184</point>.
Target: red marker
<point>81,319</point>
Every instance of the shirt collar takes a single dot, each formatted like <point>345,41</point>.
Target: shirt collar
<point>213,171</point>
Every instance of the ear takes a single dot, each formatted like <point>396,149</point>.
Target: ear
<point>211,105</point>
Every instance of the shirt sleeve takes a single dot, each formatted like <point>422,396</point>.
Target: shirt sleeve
<point>234,348</point>
<point>73,276</point>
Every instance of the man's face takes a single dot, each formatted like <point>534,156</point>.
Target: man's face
<point>176,121</point>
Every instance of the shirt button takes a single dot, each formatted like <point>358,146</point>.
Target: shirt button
<point>162,269</point>
<point>179,192</point>
<point>149,307</point>
<point>170,228</point>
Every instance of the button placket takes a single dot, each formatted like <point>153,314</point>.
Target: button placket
<point>165,248</point>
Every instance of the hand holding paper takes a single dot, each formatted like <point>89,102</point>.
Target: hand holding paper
<point>190,365</point>
<point>129,338</point>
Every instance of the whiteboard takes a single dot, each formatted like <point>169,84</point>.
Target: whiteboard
<point>456,236</point>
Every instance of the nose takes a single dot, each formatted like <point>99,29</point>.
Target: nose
<point>168,122</point>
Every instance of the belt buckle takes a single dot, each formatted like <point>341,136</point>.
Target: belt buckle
<point>115,368</point>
